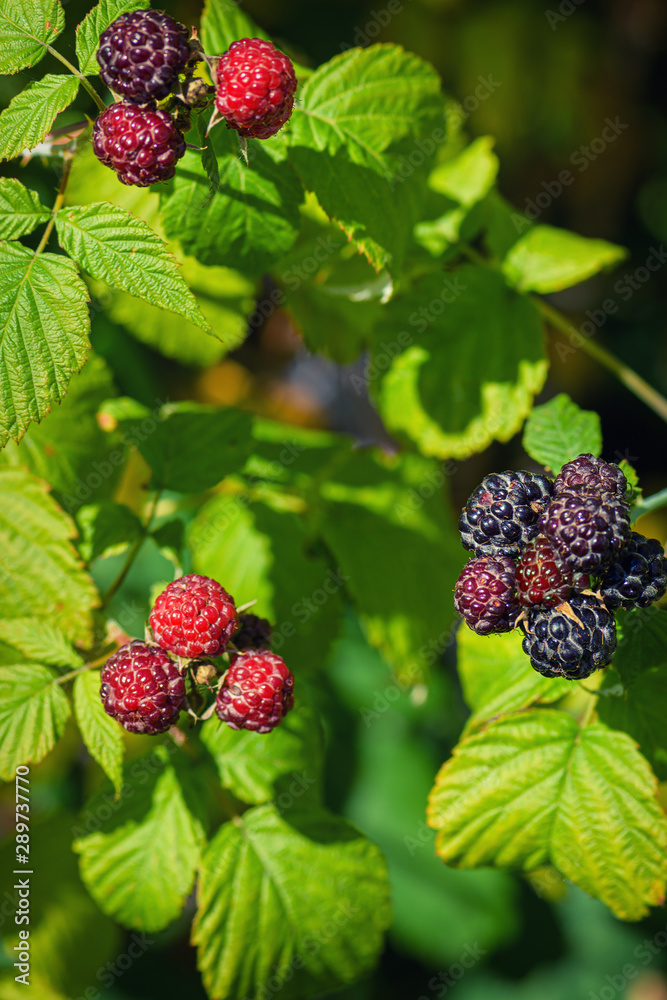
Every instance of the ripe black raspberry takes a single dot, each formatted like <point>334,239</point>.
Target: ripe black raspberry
<point>141,55</point>
<point>501,516</point>
<point>485,595</point>
<point>141,144</point>
<point>142,688</point>
<point>559,647</point>
<point>253,633</point>
<point>637,578</point>
<point>256,85</point>
<point>257,691</point>
<point>541,578</point>
<point>591,475</point>
<point>585,530</point>
<point>193,617</point>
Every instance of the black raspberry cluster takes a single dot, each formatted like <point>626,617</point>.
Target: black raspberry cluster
<point>146,57</point>
<point>195,619</point>
<point>557,558</point>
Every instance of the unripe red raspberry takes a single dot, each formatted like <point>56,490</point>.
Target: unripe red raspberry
<point>541,578</point>
<point>485,595</point>
<point>257,692</point>
<point>142,688</point>
<point>194,616</point>
<point>256,86</point>
<point>142,145</point>
<point>141,55</point>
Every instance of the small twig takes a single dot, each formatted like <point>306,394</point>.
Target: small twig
<point>79,75</point>
<point>57,205</point>
<point>133,553</point>
<point>81,670</point>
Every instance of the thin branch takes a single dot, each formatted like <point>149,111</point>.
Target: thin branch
<point>57,205</point>
<point>647,504</point>
<point>79,75</point>
<point>133,553</point>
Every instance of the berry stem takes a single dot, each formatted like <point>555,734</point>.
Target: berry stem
<point>79,75</point>
<point>57,205</point>
<point>647,504</point>
<point>81,670</point>
<point>133,553</point>
<point>628,376</point>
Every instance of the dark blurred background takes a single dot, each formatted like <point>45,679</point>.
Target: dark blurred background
<point>561,71</point>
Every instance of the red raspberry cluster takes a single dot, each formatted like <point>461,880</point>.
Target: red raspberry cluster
<point>143,686</point>
<point>142,55</point>
<point>556,557</point>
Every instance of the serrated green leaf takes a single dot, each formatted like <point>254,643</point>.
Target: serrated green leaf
<point>269,893</point>
<point>94,23</point>
<point>21,211</point>
<point>44,327</point>
<point>70,450</point>
<point>33,713</point>
<point>358,120</point>
<point>41,574</point>
<point>223,23</point>
<point>252,219</point>
<point>468,361</point>
<point>535,788</point>
<point>101,734</point>
<point>26,27</point>
<point>140,866</point>
<point>260,767</point>
<point>113,245</point>
<point>191,447</point>
<point>546,259</point>
<point>497,677</point>
<point>559,431</point>
<point>395,506</point>
<point>39,641</point>
<point>106,529</point>
<point>31,113</point>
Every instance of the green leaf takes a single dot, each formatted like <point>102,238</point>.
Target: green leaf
<point>101,734</point>
<point>170,539</point>
<point>225,297</point>
<point>302,903</point>
<point>41,574</point>
<point>559,431</point>
<point>497,677</point>
<point>31,113</point>
<point>633,696</point>
<point>106,529</point>
<point>535,788</point>
<point>94,23</point>
<point>26,27</point>
<point>223,23</point>
<point>111,244</point>
<point>395,505</point>
<point>547,259</point>
<point>261,552</point>
<point>191,447</point>
<point>21,211</point>
<point>44,327</point>
<point>140,866</point>
<point>33,713</point>
<point>70,450</point>
<point>259,767</point>
<point>39,641</point>
<point>252,219</point>
<point>468,360</point>
<point>359,118</point>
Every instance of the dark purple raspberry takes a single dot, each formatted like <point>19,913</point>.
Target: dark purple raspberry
<point>586,531</point>
<point>591,475</point>
<point>194,617</point>
<point>637,578</point>
<point>256,85</point>
<point>257,691</point>
<point>501,516</point>
<point>559,647</point>
<point>142,145</point>
<point>141,55</point>
<point>541,578</point>
<point>485,595</point>
<point>142,688</point>
<point>253,633</point>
